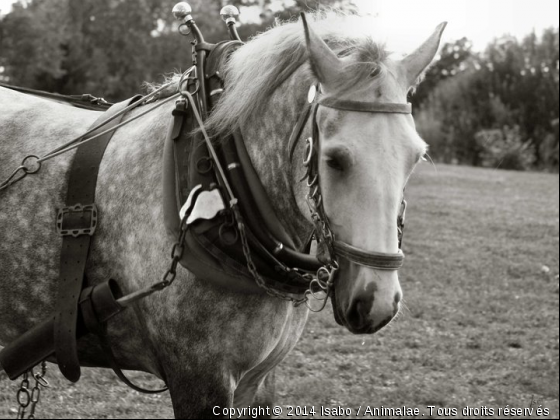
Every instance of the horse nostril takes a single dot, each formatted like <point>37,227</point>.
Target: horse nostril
<point>396,301</point>
<point>358,313</point>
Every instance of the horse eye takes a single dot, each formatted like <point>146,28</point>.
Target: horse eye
<point>335,164</point>
<point>375,72</point>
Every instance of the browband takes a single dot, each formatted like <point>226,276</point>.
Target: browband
<point>359,106</point>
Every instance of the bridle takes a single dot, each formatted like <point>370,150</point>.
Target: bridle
<point>328,247</point>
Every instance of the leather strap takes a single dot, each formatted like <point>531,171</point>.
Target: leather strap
<point>376,260</point>
<point>77,224</point>
<point>296,132</point>
<point>359,106</point>
<point>85,101</point>
<point>100,300</point>
<point>326,246</point>
<point>259,194</point>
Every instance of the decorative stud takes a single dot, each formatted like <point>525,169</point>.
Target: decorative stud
<point>229,14</point>
<point>312,94</point>
<point>182,11</point>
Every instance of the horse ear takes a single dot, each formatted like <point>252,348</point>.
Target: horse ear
<point>324,63</point>
<point>416,62</point>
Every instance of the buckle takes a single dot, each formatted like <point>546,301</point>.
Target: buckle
<point>78,230</point>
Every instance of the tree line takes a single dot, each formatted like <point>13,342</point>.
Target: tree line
<point>497,108</point>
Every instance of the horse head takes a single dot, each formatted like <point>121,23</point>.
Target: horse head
<point>362,159</point>
<point>364,162</point>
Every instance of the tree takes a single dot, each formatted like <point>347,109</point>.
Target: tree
<point>508,94</point>
<point>454,58</point>
<point>110,47</point>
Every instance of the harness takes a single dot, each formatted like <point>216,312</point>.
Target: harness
<point>328,246</point>
<point>224,227</point>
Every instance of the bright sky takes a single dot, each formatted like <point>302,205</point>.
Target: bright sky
<point>479,20</point>
<point>404,23</point>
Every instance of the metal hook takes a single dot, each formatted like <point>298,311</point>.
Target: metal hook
<point>12,178</point>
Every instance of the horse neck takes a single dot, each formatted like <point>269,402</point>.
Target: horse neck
<point>266,136</point>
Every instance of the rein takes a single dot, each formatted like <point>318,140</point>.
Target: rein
<point>31,164</point>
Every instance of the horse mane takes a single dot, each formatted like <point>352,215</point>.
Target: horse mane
<point>259,67</point>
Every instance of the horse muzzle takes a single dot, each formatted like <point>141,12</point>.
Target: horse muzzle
<point>365,300</point>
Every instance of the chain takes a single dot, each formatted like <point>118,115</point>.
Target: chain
<point>177,252</point>
<point>251,265</point>
<point>324,280</point>
<point>23,396</point>
<point>28,399</point>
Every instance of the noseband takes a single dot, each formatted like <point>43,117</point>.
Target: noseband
<point>328,247</point>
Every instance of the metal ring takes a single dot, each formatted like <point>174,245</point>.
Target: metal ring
<point>25,393</point>
<point>323,271</point>
<point>314,192</point>
<point>177,251</point>
<point>204,170</point>
<point>35,395</point>
<point>308,150</point>
<point>308,293</point>
<point>223,228</point>
<point>41,381</point>
<point>323,289</point>
<point>182,31</point>
<point>230,220</point>
<point>186,78</point>
<point>313,180</point>
<point>26,168</point>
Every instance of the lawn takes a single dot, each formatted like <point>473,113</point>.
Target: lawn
<point>479,328</point>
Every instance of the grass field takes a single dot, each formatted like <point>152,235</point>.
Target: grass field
<point>479,329</point>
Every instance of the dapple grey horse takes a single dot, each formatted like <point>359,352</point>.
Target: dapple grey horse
<point>216,348</point>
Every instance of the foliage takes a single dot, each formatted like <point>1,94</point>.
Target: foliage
<point>504,148</point>
<point>452,59</point>
<point>512,84</point>
<point>110,47</point>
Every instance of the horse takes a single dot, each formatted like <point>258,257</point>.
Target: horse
<point>216,348</point>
